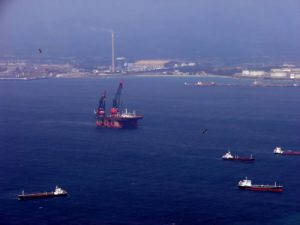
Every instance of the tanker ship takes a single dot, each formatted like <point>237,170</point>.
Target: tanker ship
<point>58,192</point>
<point>247,185</point>
<point>229,156</point>
<point>115,119</point>
<point>279,151</point>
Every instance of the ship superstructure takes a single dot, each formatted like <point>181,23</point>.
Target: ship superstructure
<point>116,118</point>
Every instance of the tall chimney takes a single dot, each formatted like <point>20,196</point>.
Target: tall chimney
<point>113,68</point>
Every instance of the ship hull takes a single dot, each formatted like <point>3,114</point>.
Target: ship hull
<point>263,188</point>
<point>242,159</point>
<point>288,153</point>
<point>40,195</point>
<point>118,122</point>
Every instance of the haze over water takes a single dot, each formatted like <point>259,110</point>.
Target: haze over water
<point>164,172</point>
<point>167,171</point>
<point>173,29</point>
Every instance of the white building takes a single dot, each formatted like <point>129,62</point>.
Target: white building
<point>253,73</point>
<point>279,74</point>
<point>295,75</point>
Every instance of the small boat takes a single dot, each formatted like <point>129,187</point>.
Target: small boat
<point>200,83</point>
<point>279,151</point>
<point>58,192</point>
<point>246,184</point>
<point>229,156</point>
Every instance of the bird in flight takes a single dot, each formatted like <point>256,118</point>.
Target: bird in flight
<point>204,131</point>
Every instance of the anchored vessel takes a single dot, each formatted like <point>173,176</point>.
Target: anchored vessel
<point>229,156</point>
<point>115,119</point>
<point>279,151</point>
<point>200,83</point>
<point>247,185</point>
<point>58,192</point>
<point>254,84</point>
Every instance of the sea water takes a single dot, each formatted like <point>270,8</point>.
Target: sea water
<point>165,172</point>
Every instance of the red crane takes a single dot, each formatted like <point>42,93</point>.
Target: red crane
<point>100,112</point>
<point>116,119</point>
<point>117,100</point>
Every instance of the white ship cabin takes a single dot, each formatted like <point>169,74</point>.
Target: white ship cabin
<point>278,150</point>
<point>227,155</point>
<point>128,114</point>
<point>245,183</point>
<point>58,191</point>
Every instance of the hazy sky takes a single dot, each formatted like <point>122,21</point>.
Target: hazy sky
<point>151,28</point>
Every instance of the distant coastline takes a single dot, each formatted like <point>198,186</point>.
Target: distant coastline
<point>15,69</point>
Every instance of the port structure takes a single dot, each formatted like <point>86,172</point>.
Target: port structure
<point>116,118</point>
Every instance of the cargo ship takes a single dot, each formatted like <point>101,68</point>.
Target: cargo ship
<point>247,185</point>
<point>279,151</point>
<point>58,192</point>
<point>116,118</point>
<point>229,156</point>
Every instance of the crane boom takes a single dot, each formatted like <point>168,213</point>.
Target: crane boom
<point>101,106</point>
<point>117,99</point>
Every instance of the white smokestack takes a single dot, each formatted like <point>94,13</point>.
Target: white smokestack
<point>113,68</point>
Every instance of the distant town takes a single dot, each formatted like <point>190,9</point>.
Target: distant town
<point>30,69</point>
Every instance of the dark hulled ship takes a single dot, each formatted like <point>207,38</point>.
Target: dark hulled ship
<point>246,184</point>
<point>279,151</point>
<point>230,157</point>
<point>58,192</point>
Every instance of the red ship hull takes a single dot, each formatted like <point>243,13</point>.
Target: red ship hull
<point>243,159</point>
<point>263,188</point>
<point>290,153</point>
<point>40,195</point>
<point>118,122</point>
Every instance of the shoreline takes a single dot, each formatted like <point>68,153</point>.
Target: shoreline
<point>145,75</point>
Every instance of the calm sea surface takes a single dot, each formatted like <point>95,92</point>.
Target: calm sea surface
<point>164,172</point>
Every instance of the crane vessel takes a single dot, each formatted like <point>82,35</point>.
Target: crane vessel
<point>116,118</point>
